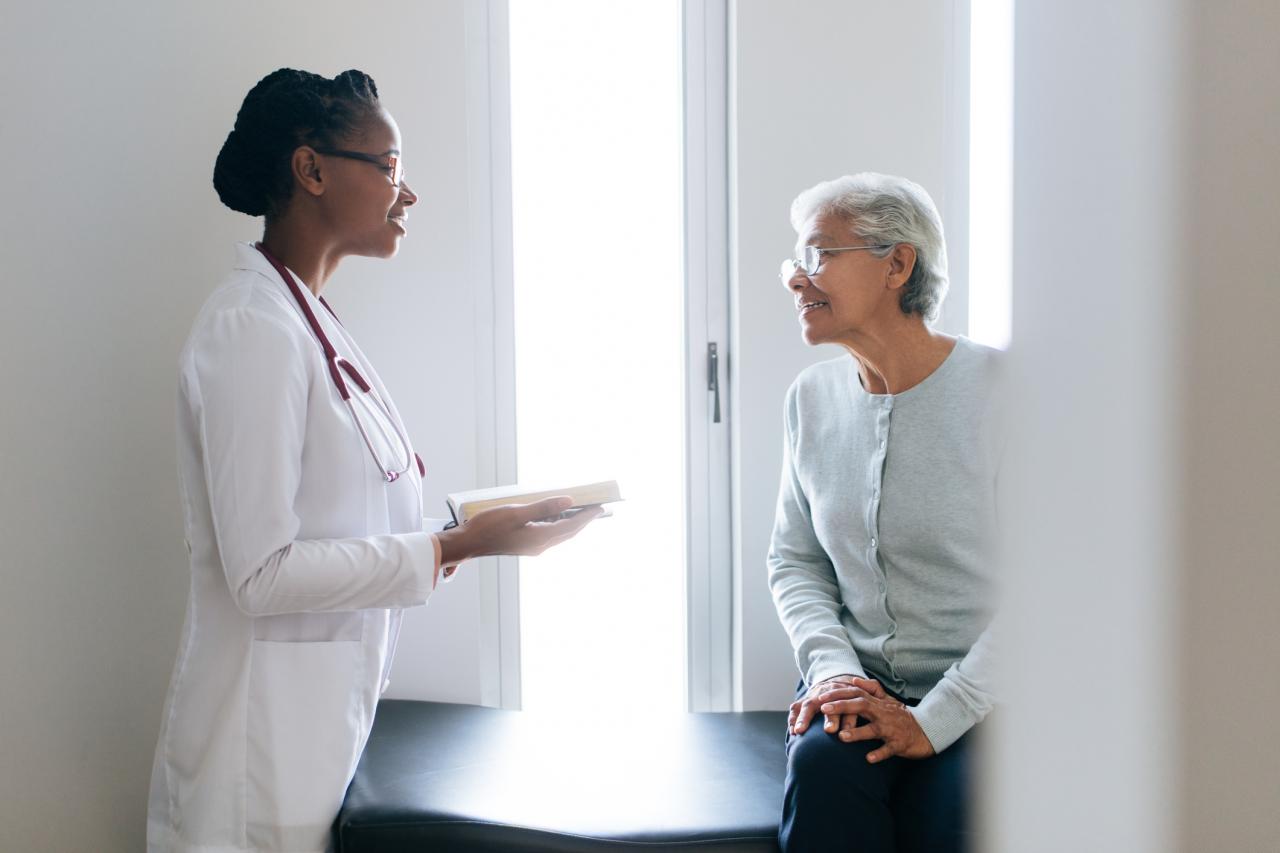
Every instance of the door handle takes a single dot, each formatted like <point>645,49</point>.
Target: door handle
<point>713,380</point>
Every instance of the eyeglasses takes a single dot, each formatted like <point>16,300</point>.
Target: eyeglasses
<point>389,163</point>
<point>812,259</point>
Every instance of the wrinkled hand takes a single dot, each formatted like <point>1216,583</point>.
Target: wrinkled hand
<point>885,718</point>
<point>522,531</point>
<point>803,710</point>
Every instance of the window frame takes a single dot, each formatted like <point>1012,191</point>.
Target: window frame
<point>709,577</point>
<point>954,318</point>
<point>713,668</point>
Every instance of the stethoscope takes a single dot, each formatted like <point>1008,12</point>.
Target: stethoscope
<point>338,364</point>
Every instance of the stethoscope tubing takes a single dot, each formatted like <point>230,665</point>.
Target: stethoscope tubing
<point>337,364</point>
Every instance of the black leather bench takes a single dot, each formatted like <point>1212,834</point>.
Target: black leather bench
<point>441,777</point>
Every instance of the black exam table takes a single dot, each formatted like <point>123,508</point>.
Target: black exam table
<point>443,777</point>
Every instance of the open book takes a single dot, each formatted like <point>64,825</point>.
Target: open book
<point>464,505</point>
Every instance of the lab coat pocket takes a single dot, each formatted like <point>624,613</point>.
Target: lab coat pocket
<point>305,726</point>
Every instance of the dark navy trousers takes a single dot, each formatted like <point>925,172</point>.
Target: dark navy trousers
<point>836,801</point>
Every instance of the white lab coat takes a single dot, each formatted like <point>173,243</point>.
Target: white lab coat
<point>301,558</point>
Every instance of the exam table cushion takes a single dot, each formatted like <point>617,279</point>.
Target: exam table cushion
<point>445,777</point>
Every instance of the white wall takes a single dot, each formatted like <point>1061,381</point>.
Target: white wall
<point>1142,660</point>
<point>112,236</point>
<point>1095,321</point>
<point>818,90</point>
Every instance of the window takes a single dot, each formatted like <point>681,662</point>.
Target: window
<point>990,170</point>
<point>597,224</point>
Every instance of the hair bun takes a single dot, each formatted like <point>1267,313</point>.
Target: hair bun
<point>354,83</point>
<point>237,177</point>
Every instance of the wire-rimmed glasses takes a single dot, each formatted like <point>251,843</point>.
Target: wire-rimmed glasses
<point>811,259</point>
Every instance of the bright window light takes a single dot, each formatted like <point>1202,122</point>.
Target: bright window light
<point>597,223</point>
<point>990,171</point>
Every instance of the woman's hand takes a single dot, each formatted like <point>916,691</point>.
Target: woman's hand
<point>803,710</point>
<point>522,531</point>
<point>886,719</point>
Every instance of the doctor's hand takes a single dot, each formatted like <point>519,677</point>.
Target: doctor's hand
<point>522,531</point>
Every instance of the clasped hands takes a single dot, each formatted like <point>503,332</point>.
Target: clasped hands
<point>844,700</point>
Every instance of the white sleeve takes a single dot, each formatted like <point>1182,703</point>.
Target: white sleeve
<point>434,526</point>
<point>803,580</point>
<point>247,382</point>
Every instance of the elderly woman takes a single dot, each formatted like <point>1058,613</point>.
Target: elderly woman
<point>881,562</point>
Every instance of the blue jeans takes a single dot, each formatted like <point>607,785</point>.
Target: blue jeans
<point>836,801</point>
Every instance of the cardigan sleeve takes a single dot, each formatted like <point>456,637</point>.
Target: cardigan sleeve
<point>803,579</point>
<point>967,691</point>
<point>964,695</point>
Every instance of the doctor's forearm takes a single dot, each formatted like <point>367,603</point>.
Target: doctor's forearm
<point>388,570</point>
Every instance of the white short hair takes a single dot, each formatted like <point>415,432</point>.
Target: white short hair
<point>886,209</point>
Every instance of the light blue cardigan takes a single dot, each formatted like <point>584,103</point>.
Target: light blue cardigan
<point>883,558</point>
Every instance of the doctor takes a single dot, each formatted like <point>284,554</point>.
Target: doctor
<point>302,498</point>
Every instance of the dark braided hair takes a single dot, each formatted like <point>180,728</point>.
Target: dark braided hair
<point>286,109</point>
